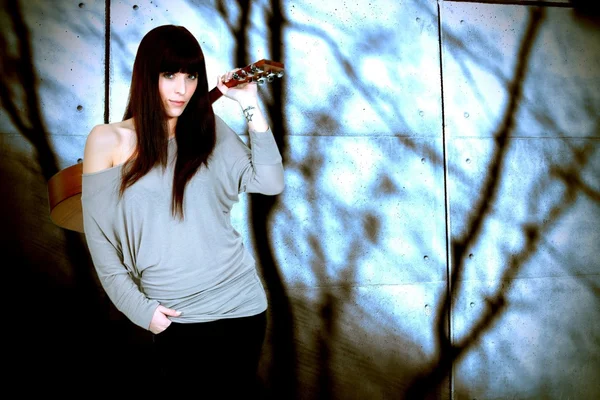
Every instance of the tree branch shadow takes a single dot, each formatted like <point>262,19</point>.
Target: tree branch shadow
<point>281,376</point>
<point>448,352</point>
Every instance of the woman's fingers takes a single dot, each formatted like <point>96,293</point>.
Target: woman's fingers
<point>229,75</point>
<point>239,89</point>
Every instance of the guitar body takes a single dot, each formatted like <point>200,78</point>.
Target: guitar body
<point>64,188</point>
<point>64,198</point>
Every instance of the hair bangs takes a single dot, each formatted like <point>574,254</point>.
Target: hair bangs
<point>182,56</point>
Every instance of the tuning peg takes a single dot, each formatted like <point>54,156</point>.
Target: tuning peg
<point>261,80</point>
<point>240,75</point>
<point>254,69</point>
<point>280,74</point>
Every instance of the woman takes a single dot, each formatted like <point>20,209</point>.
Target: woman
<point>158,188</point>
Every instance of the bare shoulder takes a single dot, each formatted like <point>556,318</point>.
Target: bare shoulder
<point>102,144</point>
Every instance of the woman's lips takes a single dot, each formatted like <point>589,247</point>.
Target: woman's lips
<point>177,103</point>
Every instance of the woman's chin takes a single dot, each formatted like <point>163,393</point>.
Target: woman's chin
<point>174,113</point>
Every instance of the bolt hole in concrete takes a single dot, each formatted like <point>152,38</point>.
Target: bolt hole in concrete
<point>81,5</point>
<point>135,7</point>
<point>468,161</point>
<point>422,161</point>
<point>426,258</point>
<point>79,108</point>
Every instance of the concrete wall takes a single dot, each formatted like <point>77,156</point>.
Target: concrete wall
<point>437,236</point>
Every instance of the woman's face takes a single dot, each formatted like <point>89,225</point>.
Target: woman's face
<point>176,89</point>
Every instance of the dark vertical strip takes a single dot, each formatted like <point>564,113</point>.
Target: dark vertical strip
<point>241,54</point>
<point>448,311</point>
<point>282,374</point>
<point>107,62</point>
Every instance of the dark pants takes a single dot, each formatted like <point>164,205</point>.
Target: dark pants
<point>211,360</point>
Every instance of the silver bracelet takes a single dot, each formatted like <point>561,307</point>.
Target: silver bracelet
<point>247,113</point>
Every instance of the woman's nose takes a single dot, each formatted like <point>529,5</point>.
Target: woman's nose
<point>180,85</point>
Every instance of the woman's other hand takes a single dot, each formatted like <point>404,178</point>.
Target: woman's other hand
<point>160,319</point>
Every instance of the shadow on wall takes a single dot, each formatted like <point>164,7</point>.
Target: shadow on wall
<point>547,212</point>
<point>67,330</point>
<point>279,374</point>
<point>62,329</point>
<point>450,351</point>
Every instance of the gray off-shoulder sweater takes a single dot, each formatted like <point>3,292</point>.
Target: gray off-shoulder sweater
<point>199,266</point>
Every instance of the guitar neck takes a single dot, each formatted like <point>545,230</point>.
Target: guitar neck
<point>214,95</point>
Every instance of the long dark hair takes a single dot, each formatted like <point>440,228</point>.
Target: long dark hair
<point>168,48</point>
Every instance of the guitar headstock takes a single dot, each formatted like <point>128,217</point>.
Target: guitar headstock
<point>262,71</point>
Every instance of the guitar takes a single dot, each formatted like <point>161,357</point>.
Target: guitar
<point>64,188</point>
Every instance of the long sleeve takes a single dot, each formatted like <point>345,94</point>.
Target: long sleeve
<point>116,279</point>
<point>256,168</point>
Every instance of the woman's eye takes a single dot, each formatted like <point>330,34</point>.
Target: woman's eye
<point>193,77</point>
<point>168,75</point>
